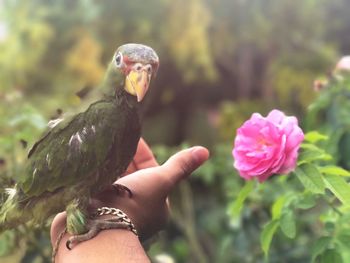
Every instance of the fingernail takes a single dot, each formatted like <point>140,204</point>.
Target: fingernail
<point>200,154</point>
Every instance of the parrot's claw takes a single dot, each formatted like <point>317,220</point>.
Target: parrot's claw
<point>121,189</point>
<point>95,226</point>
<point>68,245</point>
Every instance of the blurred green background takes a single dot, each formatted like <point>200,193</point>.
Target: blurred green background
<point>220,60</point>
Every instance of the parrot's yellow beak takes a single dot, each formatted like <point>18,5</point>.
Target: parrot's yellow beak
<point>137,83</point>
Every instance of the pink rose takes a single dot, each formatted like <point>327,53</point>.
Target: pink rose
<point>266,146</point>
<point>343,64</point>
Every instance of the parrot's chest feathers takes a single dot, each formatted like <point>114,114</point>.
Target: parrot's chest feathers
<point>118,131</point>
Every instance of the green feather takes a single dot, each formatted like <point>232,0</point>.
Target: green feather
<point>76,219</point>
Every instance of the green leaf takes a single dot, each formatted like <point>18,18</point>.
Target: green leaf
<point>320,245</point>
<point>236,207</point>
<point>311,155</point>
<point>287,224</point>
<point>310,146</point>
<point>314,136</point>
<point>311,178</point>
<point>277,207</point>
<point>331,256</point>
<point>267,235</point>
<point>332,169</point>
<point>306,201</point>
<point>329,226</point>
<point>339,187</point>
<point>344,239</point>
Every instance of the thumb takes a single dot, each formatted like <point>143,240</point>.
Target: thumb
<point>183,163</point>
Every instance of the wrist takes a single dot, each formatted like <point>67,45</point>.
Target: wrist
<point>113,245</point>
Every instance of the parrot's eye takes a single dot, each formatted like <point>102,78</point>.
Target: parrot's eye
<point>119,59</point>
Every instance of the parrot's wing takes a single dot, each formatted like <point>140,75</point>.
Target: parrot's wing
<point>72,151</point>
<point>53,126</point>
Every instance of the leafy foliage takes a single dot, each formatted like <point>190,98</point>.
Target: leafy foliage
<point>317,171</point>
<point>308,208</point>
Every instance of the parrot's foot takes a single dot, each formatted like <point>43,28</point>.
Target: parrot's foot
<point>95,226</point>
<point>121,189</point>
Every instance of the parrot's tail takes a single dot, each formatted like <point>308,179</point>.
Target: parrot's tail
<point>9,213</point>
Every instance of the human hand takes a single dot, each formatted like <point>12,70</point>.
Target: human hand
<point>150,185</point>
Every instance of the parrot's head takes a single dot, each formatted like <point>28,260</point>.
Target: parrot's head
<point>137,63</point>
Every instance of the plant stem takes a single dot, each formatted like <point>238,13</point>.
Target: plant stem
<point>186,222</point>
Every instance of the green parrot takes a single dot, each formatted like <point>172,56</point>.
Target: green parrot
<point>83,155</point>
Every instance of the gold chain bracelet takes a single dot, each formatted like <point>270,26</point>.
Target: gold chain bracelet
<point>121,216</point>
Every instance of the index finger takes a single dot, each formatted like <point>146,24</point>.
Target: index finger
<point>143,158</point>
